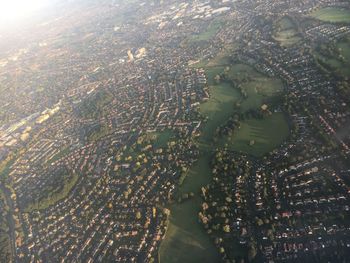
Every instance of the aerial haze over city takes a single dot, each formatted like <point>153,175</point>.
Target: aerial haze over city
<point>175,131</point>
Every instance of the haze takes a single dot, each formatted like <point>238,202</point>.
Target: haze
<point>13,11</point>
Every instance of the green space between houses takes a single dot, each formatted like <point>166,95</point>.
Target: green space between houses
<point>5,241</point>
<point>186,240</point>
<point>52,198</point>
<point>5,166</point>
<point>63,152</point>
<point>259,88</point>
<point>220,60</point>
<point>332,14</point>
<point>335,57</point>
<point>218,108</point>
<point>160,139</point>
<point>259,136</point>
<point>286,32</point>
<point>209,32</point>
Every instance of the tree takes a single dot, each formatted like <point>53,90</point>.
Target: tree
<point>217,79</point>
<point>252,252</point>
<point>226,228</point>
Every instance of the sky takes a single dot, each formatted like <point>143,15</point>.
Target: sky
<point>12,11</point>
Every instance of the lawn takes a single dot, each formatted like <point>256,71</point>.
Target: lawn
<point>63,152</point>
<point>210,32</point>
<point>218,108</point>
<point>53,198</point>
<point>259,91</point>
<point>344,51</point>
<point>185,239</point>
<point>332,14</point>
<point>160,138</point>
<point>285,32</point>
<point>5,166</point>
<point>337,60</point>
<point>199,64</point>
<point>222,59</point>
<point>211,72</point>
<point>259,88</point>
<point>242,72</point>
<point>267,133</point>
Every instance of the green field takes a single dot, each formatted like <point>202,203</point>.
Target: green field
<point>161,138</point>
<point>5,166</point>
<point>53,198</point>
<point>199,64</point>
<point>336,59</point>
<point>207,34</point>
<point>285,32</point>
<point>332,14</point>
<point>218,109</point>
<point>267,134</point>
<point>258,87</point>
<point>58,155</point>
<point>344,59</point>
<point>221,60</point>
<point>5,240</point>
<point>186,240</point>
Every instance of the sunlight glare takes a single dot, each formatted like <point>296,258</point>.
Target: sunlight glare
<point>11,10</point>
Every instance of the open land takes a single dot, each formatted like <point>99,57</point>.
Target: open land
<point>176,131</point>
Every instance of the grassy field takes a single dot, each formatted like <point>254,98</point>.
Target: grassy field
<point>58,155</point>
<point>218,109</point>
<point>338,60</point>
<point>5,239</point>
<point>267,134</point>
<point>5,166</point>
<point>344,51</point>
<point>259,91</point>
<point>186,240</point>
<point>285,32</point>
<point>332,14</point>
<point>54,198</point>
<point>210,32</point>
<point>259,88</point>
<point>199,64</point>
<point>221,60</point>
<point>160,139</point>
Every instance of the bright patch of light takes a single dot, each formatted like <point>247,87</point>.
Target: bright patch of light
<point>11,10</point>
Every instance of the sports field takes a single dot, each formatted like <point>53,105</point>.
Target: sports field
<point>332,14</point>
